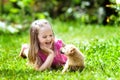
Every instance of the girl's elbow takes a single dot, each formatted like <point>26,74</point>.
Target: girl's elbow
<point>39,69</point>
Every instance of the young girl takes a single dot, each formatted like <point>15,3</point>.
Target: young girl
<point>44,50</point>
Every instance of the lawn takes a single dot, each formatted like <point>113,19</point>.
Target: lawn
<point>99,44</point>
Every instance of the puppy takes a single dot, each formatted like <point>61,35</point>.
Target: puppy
<point>75,59</point>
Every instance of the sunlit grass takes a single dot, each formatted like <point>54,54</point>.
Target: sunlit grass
<point>99,44</point>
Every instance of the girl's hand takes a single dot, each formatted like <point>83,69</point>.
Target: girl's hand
<point>47,50</point>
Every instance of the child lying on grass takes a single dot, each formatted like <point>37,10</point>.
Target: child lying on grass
<point>44,50</point>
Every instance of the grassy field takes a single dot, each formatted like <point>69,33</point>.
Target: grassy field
<point>99,44</point>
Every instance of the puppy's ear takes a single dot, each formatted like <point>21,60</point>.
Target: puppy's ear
<point>72,50</point>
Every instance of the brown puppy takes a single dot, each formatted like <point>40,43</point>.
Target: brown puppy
<point>75,59</point>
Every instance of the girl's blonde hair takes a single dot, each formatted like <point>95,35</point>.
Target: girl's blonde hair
<point>34,42</point>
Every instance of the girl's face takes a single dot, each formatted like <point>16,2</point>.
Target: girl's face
<point>46,37</point>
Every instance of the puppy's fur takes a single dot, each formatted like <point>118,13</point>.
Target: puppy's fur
<point>75,59</point>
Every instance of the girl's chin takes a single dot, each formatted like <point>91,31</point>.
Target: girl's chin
<point>50,47</point>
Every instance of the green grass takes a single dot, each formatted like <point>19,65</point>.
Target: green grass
<point>99,44</point>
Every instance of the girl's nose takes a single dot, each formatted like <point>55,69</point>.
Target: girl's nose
<point>48,38</point>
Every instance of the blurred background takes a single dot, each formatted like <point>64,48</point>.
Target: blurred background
<point>16,15</point>
<point>92,25</point>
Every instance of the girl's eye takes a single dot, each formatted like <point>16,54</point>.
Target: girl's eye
<point>47,36</point>
<point>51,35</point>
<point>44,36</point>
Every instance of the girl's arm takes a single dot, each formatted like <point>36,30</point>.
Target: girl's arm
<point>38,65</point>
<point>48,62</point>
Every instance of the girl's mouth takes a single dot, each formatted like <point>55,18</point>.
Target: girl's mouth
<point>49,44</point>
